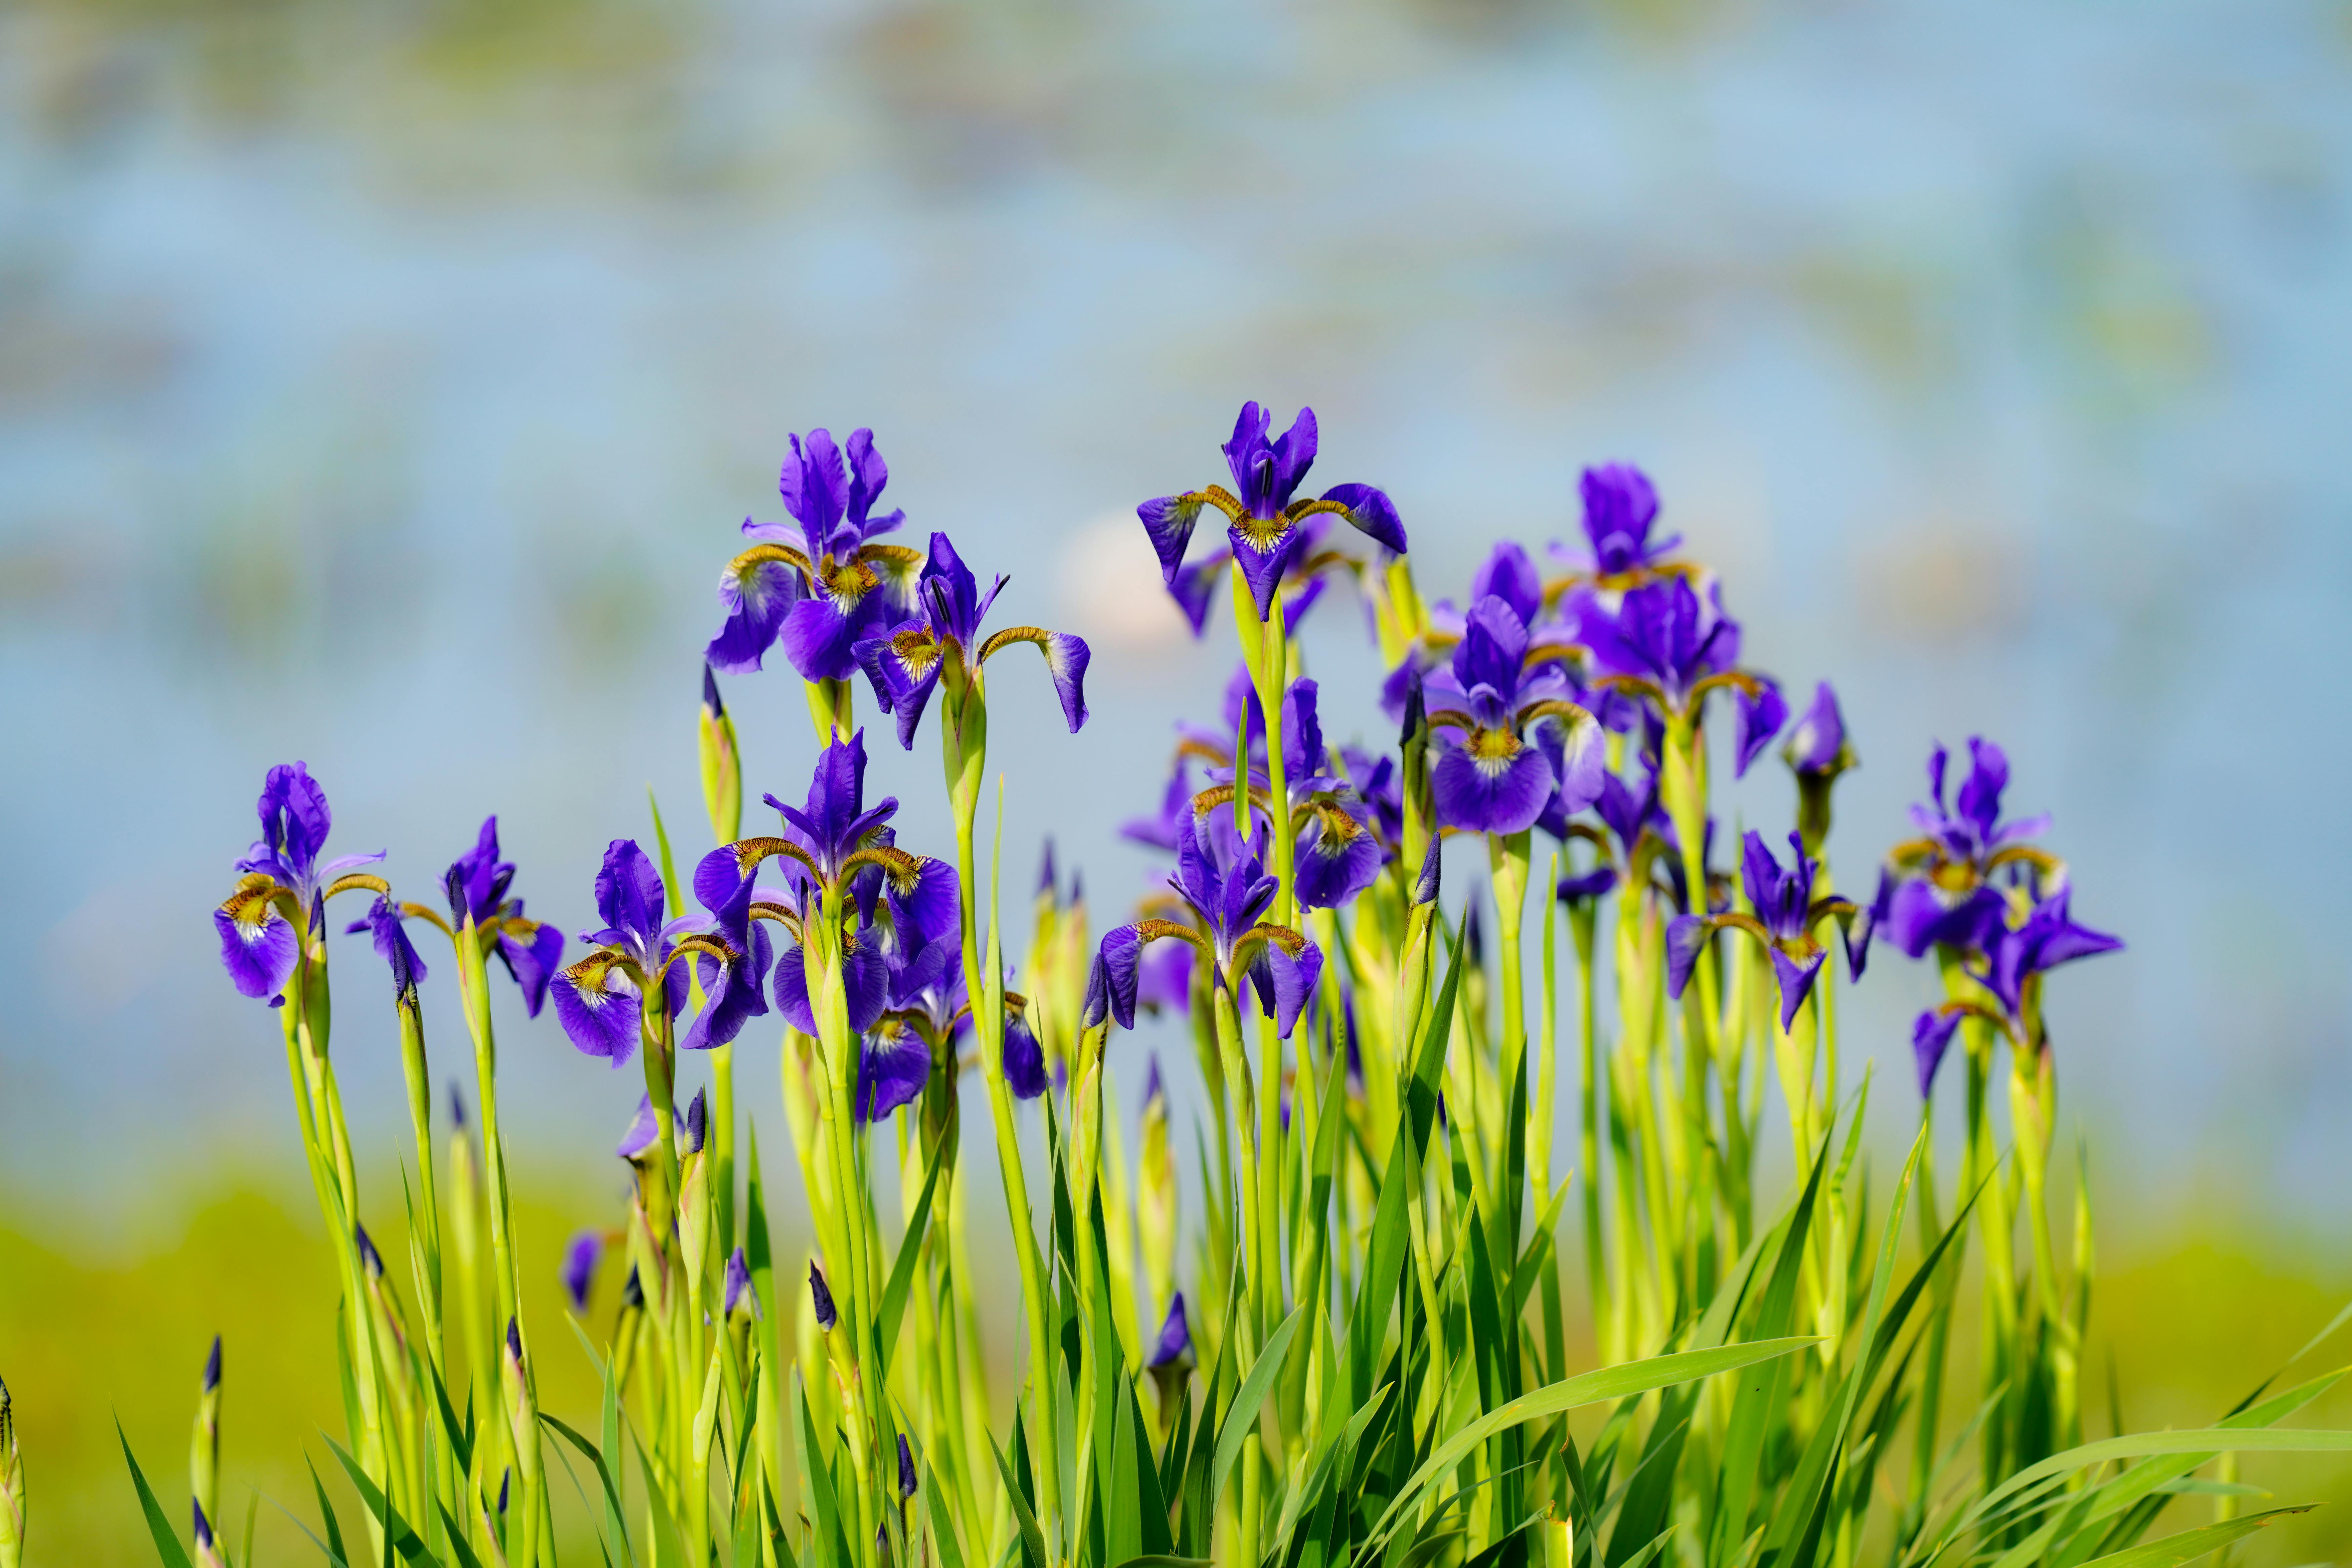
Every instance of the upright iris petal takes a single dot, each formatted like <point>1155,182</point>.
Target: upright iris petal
<point>1620,505</point>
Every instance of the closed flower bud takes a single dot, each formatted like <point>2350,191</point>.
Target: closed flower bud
<point>722,763</point>
<point>203,1446</point>
<point>1156,1193</point>
<point>12,1488</point>
<point>821,1299</point>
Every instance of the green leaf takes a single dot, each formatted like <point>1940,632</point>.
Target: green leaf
<point>466,1558</point>
<point>613,1510</point>
<point>2190,1544</point>
<point>669,868</point>
<point>2139,1445</point>
<point>943,1535</point>
<point>1033,1540</point>
<point>1161,1560</point>
<point>1586,1388</point>
<point>335,1548</point>
<point>167,1545</point>
<point>1243,1413</point>
<point>818,1483</point>
<point>404,1540</point>
<point>902,1271</point>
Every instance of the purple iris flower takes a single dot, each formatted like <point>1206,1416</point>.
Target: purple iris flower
<point>599,999</point>
<point>1629,813</point>
<point>1263,522</point>
<point>823,586</point>
<point>1224,882</point>
<point>1666,642</point>
<point>1381,787</point>
<point>1158,831</point>
<point>580,1259</point>
<point>1786,916</point>
<point>735,987</point>
<point>1338,854</point>
<point>282,878</point>
<point>391,945</point>
<point>1934,890</point>
<point>864,982</point>
<point>1489,778</point>
<point>904,663</point>
<point>2009,965</point>
<point>476,883</point>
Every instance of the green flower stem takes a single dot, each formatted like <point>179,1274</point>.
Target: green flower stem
<point>1583,922</point>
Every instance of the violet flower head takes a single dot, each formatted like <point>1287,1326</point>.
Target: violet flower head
<point>2048,938</point>
<point>1265,524</point>
<point>599,1000</point>
<point>1338,854</point>
<point>1670,645</point>
<point>282,880</point>
<point>1223,880</point>
<point>1936,891</point>
<point>821,587</point>
<point>1786,916</point>
<point>821,1299</point>
<point>734,986</point>
<point>580,1260</point>
<point>476,884</point>
<point>906,1469</point>
<point>383,921</point>
<point>1493,775</point>
<point>904,663</point>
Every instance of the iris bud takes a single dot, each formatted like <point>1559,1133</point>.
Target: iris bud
<point>12,1488</point>
<point>722,767</point>
<point>1156,1194</point>
<point>204,1447</point>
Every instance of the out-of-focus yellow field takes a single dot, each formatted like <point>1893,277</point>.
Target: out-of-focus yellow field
<point>93,1329</point>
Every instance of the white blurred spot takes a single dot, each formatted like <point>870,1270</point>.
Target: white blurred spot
<point>1111,589</point>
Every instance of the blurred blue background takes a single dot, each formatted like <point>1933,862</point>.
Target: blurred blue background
<point>385,388</point>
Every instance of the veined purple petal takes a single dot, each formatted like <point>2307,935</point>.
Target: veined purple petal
<point>1578,753</point>
<point>735,995</point>
<point>580,1259</point>
<point>1194,587</point>
<point>1931,1036</point>
<point>1262,566</point>
<point>1287,984</point>
<point>820,637</point>
<point>891,1076</point>
<point>904,671</point>
<point>1337,858</point>
<point>815,488</point>
<point>1687,938</point>
<point>1796,977</point>
<point>1066,659</point>
<point>1168,521</point>
<point>1025,1059</point>
<point>259,956</point>
<point>1490,783</point>
<point>793,991</point>
<point>600,1023</point>
<point>1372,513</point>
<point>629,894</point>
<point>757,597</point>
<point>532,964</point>
<point>1755,721</point>
<point>868,476</point>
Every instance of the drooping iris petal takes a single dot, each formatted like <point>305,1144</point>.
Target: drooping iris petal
<point>2048,938</point>
<point>736,992</point>
<point>891,1076</point>
<point>1167,522</point>
<point>1194,587</point>
<point>1931,1036</point>
<point>759,592</point>
<point>1796,975</point>
<point>1372,513</point>
<point>1687,938</point>
<point>1920,915</point>
<point>1264,552</point>
<point>390,938</point>
<point>924,902</point>
<point>1756,720</point>
<point>820,637</point>
<point>532,964</point>
<point>1491,782</point>
<point>1025,1060</point>
<point>1337,857</point>
<point>580,1259</point>
<point>1286,983</point>
<point>1591,885</point>
<point>257,952</point>
<point>599,1013</point>
<point>1578,749</point>
<point>904,671</point>
<point>865,982</point>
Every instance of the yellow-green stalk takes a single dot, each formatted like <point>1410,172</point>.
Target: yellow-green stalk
<point>12,1487</point>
